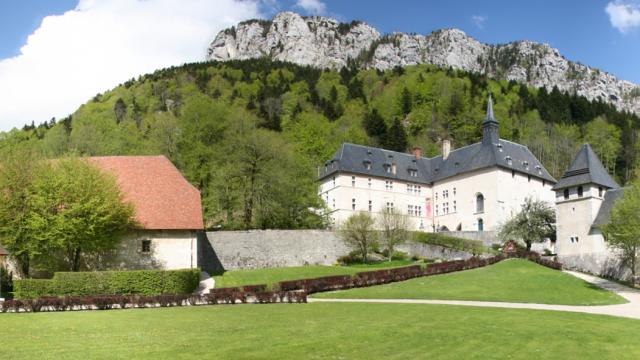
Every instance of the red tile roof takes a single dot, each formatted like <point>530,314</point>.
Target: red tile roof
<point>3,251</point>
<point>162,197</point>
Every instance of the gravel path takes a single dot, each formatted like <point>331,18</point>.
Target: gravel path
<point>628,310</point>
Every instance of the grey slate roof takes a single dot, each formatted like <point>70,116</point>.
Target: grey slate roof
<point>586,168</point>
<point>491,152</point>
<point>610,198</point>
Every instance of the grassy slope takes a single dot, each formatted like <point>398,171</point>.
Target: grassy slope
<point>272,275</point>
<point>319,331</point>
<point>512,280</point>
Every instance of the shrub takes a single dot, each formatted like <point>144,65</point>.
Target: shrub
<point>473,246</point>
<point>142,282</point>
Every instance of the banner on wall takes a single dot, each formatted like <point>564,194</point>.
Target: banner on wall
<point>428,207</point>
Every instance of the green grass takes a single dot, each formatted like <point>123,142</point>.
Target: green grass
<point>512,280</point>
<point>270,276</point>
<point>319,331</point>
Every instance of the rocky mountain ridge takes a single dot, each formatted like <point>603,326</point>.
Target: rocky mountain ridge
<point>327,43</point>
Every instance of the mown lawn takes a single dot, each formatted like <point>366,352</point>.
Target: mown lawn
<point>318,331</point>
<point>270,276</point>
<point>513,280</point>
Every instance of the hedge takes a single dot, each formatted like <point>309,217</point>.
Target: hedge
<point>473,246</point>
<point>138,282</point>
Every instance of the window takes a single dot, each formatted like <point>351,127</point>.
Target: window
<point>509,160</point>
<point>387,168</point>
<point>455,208</point>
<point>353,181</point>
<point>334,181</point>
<point>436,209</point>
<point>480,224</point>
<point>389,206</point>
<point>353,204</point>
<point>388,185</point>
<point>369,182</point>
<point>600,191</point>
<point>413,173</point>
<point>334,203</point>
<point>146,246</point>
<point>436,196</point>
<point>370,205</point>
<point>418,210</point>
<point>566,194</point>
<point>410,210</point>
<point>580,191</point>
<point>529,178</point>
<point>409,188</point>
<point>367,164</point>
<point>454,191</point>
<point>479,203</point>
<point>421,224</point>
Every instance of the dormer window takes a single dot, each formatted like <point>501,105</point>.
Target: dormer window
<point>367,164</point>
<point>499,147</point>
<point>413,172</point>
<point>539,168</point>
<point>509,160</point>
<point>387,168</point>
<point>525,164</point>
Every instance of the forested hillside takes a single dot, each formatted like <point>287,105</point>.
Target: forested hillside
<point>250,134</point>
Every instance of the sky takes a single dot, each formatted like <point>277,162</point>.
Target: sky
<point>57,54</point>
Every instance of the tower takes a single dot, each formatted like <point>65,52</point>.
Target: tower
<point>579,195</point>
<point>490,126</point>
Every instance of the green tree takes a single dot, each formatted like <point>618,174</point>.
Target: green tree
<point>605,140</point>
<point>358,233</point>
<point>79,210</point>
<point>396,137</point>
<point>623,230</point>
<point>534,223</point>
<point>394,229</point>
<point>374,125</point>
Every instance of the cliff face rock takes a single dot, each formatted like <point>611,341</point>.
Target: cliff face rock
<point>326,43</point>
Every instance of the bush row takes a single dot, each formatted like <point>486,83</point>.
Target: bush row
<point>139,282</point>
<point>107,302</point>
<point>473,246</point>
<point>535,257</point>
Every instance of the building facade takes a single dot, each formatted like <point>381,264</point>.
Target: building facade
<point>167,208</point>
<point>585,196</point>
<point>473,188</point>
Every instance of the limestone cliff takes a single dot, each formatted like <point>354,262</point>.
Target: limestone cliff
<point>327,43</point>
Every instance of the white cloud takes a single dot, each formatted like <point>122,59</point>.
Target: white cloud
<point>102,43</point>
<point>314,7</point>
<point>624,15</point>
<point>478,21</point>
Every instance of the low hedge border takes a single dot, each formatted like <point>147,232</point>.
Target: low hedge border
<point>111,302</point>
<point>137,282</point>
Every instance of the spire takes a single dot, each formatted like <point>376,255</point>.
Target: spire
<point>490,116</point>
<point>490,126</point>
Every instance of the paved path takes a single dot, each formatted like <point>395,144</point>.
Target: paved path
<point>628,310</point>
<point>206,283</point>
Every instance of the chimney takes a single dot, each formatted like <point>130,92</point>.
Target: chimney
<point>417,152</point>
<point>446,149</point>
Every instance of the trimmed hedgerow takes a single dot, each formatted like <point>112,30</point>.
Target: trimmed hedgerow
<point>139,282</point>
<point>473,246</point>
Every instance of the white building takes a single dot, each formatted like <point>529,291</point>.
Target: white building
<point>474,188</point>
<point>585,196</point>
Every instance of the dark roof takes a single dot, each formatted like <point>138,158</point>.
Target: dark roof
<point>491,152</point>
<point>586,168</point>
<point>3,251</point>
<point>610,198</point>
<point>352,158</point>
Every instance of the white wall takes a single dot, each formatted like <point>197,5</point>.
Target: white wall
<point>503,193</point>
<point>170,249</point>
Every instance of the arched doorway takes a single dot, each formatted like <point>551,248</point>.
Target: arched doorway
<point>480,224</point>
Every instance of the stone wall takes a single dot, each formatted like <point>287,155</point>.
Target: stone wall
<point>229,250</point>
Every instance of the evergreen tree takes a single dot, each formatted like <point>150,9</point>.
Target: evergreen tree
<point>396,137</point>
<point>374,125</point>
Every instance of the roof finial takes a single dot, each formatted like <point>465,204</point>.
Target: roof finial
<point>490,116</point>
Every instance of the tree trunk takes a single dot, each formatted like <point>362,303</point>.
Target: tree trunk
<point>75,265</point>
<point>528,245</point>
